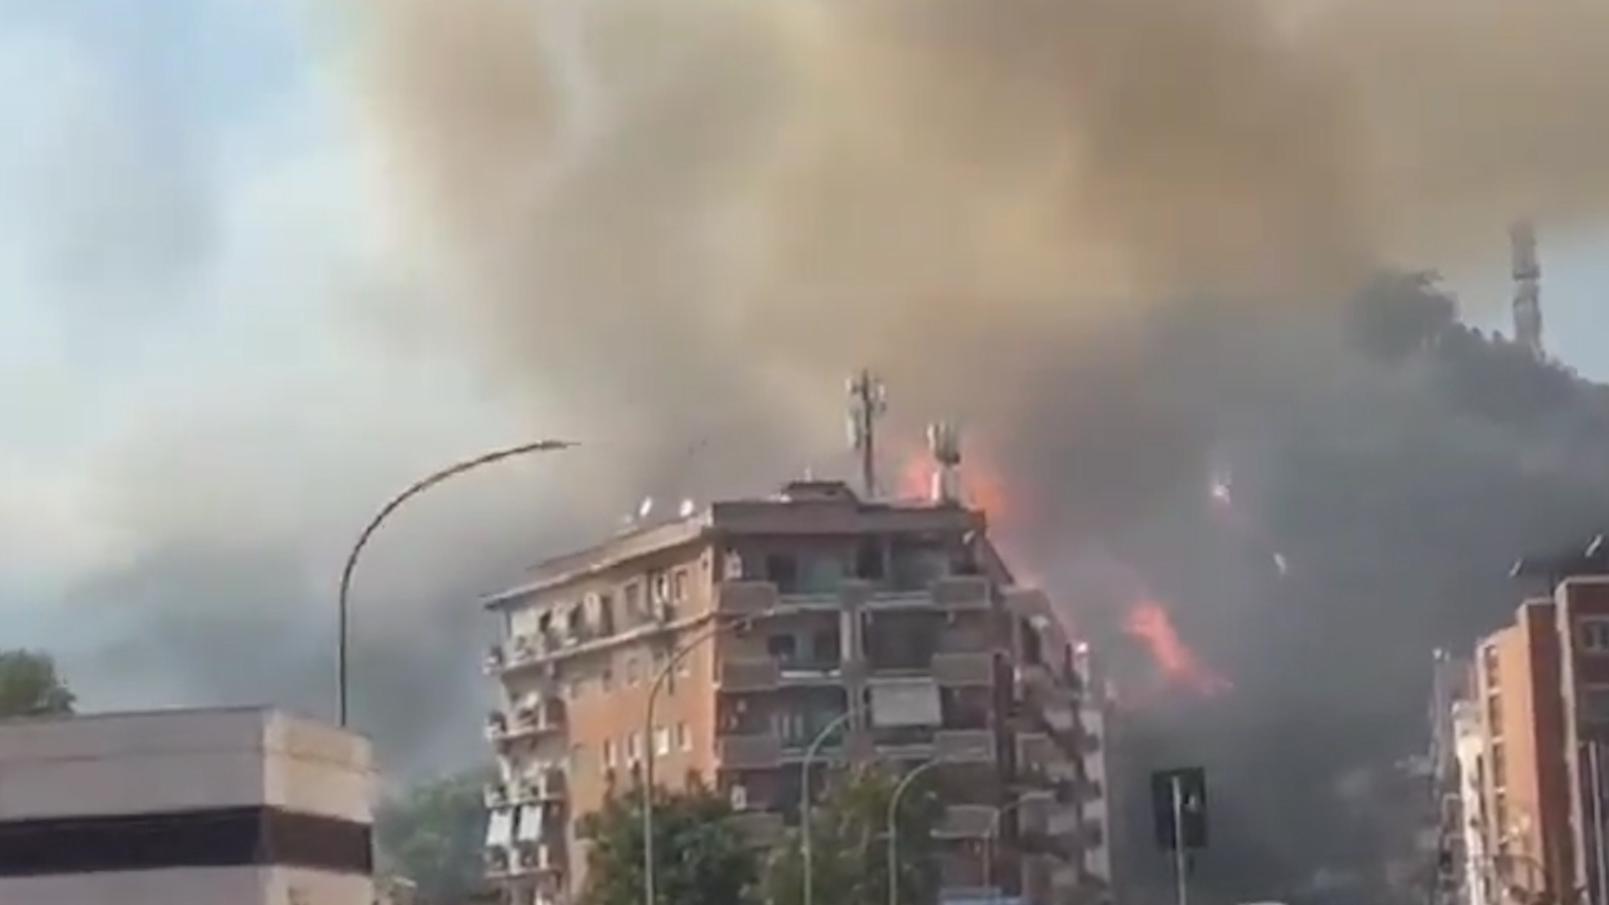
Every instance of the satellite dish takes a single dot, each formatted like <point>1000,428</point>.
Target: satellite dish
<point>687,508</point>
<point>645,507</point>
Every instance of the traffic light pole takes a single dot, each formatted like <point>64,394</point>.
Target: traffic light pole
<point>1180,865</point>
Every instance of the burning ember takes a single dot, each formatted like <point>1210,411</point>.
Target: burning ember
<point>1179,665</point>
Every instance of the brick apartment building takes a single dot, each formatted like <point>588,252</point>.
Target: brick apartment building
<point>900,615</point>
<point>1533,751</point>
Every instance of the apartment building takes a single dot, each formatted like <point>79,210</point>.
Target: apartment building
<point>1581,606</point>
<point>763,621</point>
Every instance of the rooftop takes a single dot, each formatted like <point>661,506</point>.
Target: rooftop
<point>810,507</point>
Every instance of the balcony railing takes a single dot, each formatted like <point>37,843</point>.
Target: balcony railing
<point>962,592</point>
<point>965,821</point>
<point>971,745</point>
<point>749,752</point>
<point>739,597</point>
<point>749,674</point>
<point>955,670</point>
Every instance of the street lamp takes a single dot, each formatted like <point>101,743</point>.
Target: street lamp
<point>418,486</point>
<point>713,630</point>
<point>988,842</point>
<point>804,796</point>
<point>893,828</point>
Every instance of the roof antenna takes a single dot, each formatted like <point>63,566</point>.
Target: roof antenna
<point>868,400</point>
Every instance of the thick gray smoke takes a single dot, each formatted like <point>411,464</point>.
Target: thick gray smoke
<point>1117,237</point>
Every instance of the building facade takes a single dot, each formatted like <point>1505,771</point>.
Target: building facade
<point>1581,607</point>
<point>1525,823</point>
<point>244,806</point>
<point>764,622</point>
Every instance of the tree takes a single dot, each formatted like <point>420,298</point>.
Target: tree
<point>849,855</point>
<point>699,856</point>
<point>30,686</point>
<point>432,835</point>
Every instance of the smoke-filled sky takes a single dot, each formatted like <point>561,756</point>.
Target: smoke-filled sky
<point>262,264</point>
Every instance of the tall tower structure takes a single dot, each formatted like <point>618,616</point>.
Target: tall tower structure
<point>1527,287</point>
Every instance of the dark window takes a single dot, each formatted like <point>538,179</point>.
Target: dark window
<point>825,647</point>
<point>782,647</point>
<point>869,559</point>
<point>783,571</point>
<point>220,837</point>
<point>606,614</point>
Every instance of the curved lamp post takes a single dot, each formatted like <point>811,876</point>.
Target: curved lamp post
<point>988,842</point>
<point>709,632</point>
<point>418,486</point>
<point>893,827</point>
<point>804,795</point>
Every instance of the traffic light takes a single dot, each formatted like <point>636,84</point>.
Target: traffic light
<point>1190,785</point>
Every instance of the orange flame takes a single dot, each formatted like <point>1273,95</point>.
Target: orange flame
<point>982,486</point>
<point>1178,664</point>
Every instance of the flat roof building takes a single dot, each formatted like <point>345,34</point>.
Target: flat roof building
<point>246,806</point>
<point>899,617</point>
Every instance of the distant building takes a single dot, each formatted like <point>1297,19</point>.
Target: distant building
<point>184,807</point>
<point>1581,604</point>
<point>1468,859</point>
<point>901,619</point>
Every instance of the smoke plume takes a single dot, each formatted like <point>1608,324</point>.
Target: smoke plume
<point>1120,239</point>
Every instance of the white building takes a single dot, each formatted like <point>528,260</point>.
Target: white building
<point>1469,747</point>
<point>241,806</point>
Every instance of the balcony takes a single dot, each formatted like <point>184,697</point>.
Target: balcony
<point>495,794</point>
<point>961,670</point>
<point>967,745</point>
<point>544,786</point>
<point>748,752</point>
<point>532,718</point>
<point>753,674</point>
<point>537,858</point>
<point>1040,758</point>
<point>497,861</point>
<point>746,597</point>
<point>1058,717</point>
<point>495,660</point>
<point>759,829</point>
<point>962,592</point>
<point>965,821</point>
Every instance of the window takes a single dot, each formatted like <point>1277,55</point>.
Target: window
<point>634,747</point>
<point>1499,770</point>
<point>740,798</point>
<point>578,757</point>
<point>1494,715</point>
<point>578,687</point>
<point>1593,704</point>
<point>606,679</point>
<point>782,571</point>
<point>608,753</point>
<point>544,623</point>
<point>869,559</point>
<point>732,566</point>
<point>678,590</point>
<point>684,738</point>
<point>825,647</point>
<point>782,647</point>
<point>660,582</point>
<point>1489,664</point>
<point>790,727</point>
<point>633,670</point>
<point>606,614</point>
<point>661,741</point>
<point>631,600</point>
<point>1593,635</point>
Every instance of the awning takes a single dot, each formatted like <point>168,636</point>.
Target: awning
<point>500,827</point>
<point>529,826</point>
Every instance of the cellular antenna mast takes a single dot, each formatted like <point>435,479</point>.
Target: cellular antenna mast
<point>1527,288</point>
<point>867,402</point>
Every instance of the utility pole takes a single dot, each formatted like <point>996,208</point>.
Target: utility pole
<point>867,402</point>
